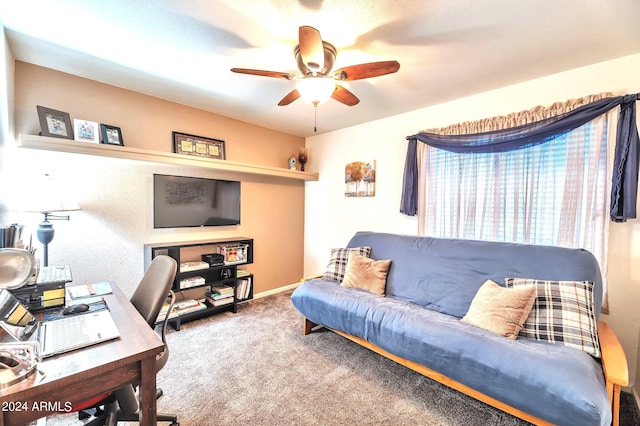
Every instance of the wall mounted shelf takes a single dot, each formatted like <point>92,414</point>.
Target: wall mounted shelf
<point>74,147</point>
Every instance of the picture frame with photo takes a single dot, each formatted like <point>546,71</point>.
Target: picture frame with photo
<point>184,143</point>
<point>54,123</point>
<point>85,131</point>
<point>111,135</point>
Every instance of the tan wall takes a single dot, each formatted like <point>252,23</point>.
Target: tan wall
<point>105,240</point>
<point>146,121</point>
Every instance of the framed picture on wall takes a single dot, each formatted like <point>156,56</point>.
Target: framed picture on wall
<point>86,131</point>
<point>111,135</point>
<point>184,143</point>
<point>54,123</point>
<point>360,179</point>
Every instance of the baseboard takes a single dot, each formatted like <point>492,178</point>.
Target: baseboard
<point>276,290</point>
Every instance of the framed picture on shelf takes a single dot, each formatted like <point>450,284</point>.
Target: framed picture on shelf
<point>184,143</point>
<point>111,135</point>
<point>86,131</point>
<point>54,123</point>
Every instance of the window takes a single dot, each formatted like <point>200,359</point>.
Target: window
<point>551,194</point>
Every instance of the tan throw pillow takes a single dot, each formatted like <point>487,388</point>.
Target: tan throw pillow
<point>499,309</point>
<point>366,274</point>
<point>338,262</point>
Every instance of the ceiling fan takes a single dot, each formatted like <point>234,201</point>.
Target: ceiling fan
<point>317,83</point>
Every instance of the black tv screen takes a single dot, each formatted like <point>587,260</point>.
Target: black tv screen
<point>180,201</point>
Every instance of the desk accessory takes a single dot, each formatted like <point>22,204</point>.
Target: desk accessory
<point>88,290</point>
<point>11,236</point>
<point>48,198</point>
<point>17,268</point>
<point>91,304</point>
<point>17,362</point>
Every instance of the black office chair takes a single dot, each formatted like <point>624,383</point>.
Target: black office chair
<point>148,298</point>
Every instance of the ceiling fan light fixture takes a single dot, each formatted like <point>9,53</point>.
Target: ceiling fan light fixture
<point>316,90</point>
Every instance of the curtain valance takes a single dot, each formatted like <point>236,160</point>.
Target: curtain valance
<point>627,153</point>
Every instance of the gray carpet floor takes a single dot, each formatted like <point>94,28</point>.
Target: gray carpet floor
<point>256,368</point>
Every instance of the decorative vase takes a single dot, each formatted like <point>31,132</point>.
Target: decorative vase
<point>302,158</point>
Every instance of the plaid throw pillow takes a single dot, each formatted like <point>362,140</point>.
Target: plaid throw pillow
<point>338,263</point>
<point>562,313</point>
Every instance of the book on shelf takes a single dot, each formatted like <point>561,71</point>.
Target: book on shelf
<point>244,288</point>
<point>214,296</point>
<point>219,302</point>
<point>222,289</point>
<point>191,282</point>
<point>180,308</point>
<point>163,313</point>
<point>242,273</point>
<point>193,266</point>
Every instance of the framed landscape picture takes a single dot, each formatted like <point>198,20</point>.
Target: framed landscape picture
<point>184,143</point>
<point>360,179</point>
<point>54,123</point>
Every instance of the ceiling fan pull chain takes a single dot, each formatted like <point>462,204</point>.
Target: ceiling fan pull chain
<point>315,118</point>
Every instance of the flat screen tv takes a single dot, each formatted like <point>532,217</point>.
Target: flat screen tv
<point>180,201</point>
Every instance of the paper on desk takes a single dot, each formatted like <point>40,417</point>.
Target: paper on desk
<point>88,290</point>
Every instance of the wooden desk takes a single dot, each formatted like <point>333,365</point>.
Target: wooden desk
<point>86,373</point>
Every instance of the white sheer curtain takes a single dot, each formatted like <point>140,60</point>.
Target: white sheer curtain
<point>556,193</point>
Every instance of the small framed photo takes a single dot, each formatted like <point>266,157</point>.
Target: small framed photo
<point>184,143</point>
<point>86,131</point>
<point>54,123</point>
<point>111,135</point>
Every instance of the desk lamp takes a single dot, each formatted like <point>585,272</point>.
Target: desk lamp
<point>48,199</point>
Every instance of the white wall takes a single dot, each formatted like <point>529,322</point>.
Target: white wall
<point>6,110</point>
<point>6,87</point>
<point>331,218</point>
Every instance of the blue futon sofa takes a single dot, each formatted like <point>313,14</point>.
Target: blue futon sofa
<point>430,286</point>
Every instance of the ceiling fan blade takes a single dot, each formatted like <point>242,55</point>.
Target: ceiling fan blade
<point>291,96</point>
<point>343,95</point>
<point>275,74</point>
<point>311,48</point>
<point>368,70</point>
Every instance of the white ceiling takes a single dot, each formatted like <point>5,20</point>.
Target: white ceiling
<point>182,50</point>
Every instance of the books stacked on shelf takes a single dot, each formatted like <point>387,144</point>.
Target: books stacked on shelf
<point>191,282</point>
<point>193,266</point>
<point>220,295</point>
<point>244,288</point>
<point>180,308</point>
<point>242,273</point>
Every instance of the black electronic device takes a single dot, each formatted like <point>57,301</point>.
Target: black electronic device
<point>181,201</point>
<point>213,259</point>
<point>38,297</point>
